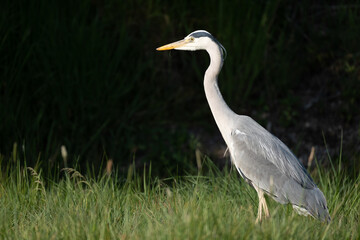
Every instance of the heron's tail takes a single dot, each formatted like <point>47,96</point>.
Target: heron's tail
<point>314,203</point>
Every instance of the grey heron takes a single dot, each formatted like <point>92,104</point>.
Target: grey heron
<point>264,161</point>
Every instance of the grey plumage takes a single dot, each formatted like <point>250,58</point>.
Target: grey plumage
<point>262,159</point>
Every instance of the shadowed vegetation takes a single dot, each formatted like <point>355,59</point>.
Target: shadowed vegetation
<point>85,74</point>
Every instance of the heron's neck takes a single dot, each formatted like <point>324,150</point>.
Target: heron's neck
<point>222,113</point>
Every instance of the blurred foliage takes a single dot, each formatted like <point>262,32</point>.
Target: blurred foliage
<point>85,74</point>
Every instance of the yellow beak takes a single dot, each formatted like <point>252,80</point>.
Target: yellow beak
<point>173,45</point>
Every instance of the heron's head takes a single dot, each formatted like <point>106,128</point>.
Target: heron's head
<point>198,40</point>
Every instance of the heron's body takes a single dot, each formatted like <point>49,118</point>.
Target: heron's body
<point>262,159</point>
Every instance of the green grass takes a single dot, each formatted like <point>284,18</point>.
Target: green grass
<point>215,206</point>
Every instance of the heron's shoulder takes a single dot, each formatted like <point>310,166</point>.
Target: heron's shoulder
<point>243,119</point>
<point>248,134</point>
<point>249,126</point>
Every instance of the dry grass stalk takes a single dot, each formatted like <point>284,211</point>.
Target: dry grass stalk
<point>109,166</point>
<point>198,159</point>
<point>311,156</point>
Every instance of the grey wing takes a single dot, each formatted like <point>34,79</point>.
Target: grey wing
<point>270,154</point>
<point>265,161</point>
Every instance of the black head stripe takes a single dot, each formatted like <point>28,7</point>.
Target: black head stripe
<point>200,34</point>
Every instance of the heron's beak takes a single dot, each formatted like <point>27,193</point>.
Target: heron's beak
<point>173,45</point>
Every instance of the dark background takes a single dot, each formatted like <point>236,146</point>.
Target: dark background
<point>85,74</point>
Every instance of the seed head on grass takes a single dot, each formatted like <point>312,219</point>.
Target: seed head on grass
<point>73,173</point>
<point>37,180</point>
<point>64,154</point>
<point>76,175</point>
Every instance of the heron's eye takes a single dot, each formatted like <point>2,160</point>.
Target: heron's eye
<point>192,39</point>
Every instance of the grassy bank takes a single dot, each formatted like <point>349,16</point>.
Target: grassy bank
<point>215,206</point>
